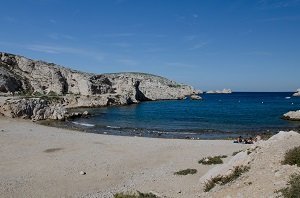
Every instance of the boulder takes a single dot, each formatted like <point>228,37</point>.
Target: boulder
<point>292,115</point>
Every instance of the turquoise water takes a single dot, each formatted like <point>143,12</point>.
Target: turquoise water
<point>216,116</point>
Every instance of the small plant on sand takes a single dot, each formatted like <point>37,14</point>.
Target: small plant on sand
<point>222,180</point>
<point>186,172</point>
<point>135,195</point>
<point>292,157</point>
<point>237,172</point>
<point>212,160</point>
<point>293,188</point>
<point>210,184</point>
<point>236,152</point>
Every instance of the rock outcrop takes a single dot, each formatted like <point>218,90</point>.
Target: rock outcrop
<point>20,74</point>
<point>195,97</point>
<point>45,108</point>
<point>224,91</point>
<point>297,93</point>
<point>266,173</point>
<point>33,108</point>
<point>292,115</point>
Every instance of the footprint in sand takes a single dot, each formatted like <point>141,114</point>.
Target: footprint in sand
<point>52,150</point>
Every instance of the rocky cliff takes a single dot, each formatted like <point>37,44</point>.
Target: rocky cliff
<point>50,88</point>
<point>19,74</point>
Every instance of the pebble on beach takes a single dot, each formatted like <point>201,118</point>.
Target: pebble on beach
<point>82,173</point>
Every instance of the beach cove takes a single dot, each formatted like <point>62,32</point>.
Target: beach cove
<point>39,161</point>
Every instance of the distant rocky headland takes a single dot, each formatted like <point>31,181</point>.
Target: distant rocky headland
<point>44,90</point>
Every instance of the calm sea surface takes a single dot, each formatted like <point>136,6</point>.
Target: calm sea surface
<point>216,116</point>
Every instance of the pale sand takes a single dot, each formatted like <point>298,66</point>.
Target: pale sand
<point>112,163</point>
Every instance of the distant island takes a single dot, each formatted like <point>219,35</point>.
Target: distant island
<point>224,91</point>
<point>297,93</point>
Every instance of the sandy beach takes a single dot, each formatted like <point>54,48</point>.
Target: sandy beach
<point>40,161</point>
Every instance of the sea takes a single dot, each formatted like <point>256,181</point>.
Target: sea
<point>216,116</point>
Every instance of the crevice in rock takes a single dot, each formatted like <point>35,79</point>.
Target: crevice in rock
<point>140,96</point>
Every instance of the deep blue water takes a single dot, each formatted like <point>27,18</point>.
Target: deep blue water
<point>216,116</point>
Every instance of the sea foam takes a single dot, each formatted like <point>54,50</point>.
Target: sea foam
<point>84,124</point>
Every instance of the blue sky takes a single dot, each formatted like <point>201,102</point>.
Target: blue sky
<point>245,45</point>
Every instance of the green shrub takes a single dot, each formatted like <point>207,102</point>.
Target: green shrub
<point>236,152</point>
<point>174,85</point>
<point>237,172</point>
<point>212,160</point>
<point>292,157</point>
<point>293,188</point>
<point>135,195</point>
<point>210,184</point>
<point>52,93</point>
<point>186,172</point>
<point>37,93</point>
<point>222,180</point>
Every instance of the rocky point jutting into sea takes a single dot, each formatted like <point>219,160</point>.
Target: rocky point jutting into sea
<point>44,89</point>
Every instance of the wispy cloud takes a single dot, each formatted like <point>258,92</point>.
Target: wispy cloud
<point>179,65</point>
<point>275,4</point>
<point>9,19</point>
<point>260,53</point>
<point>57,36</point>
<point>115,35</point>
<point>129,62</point>
<point>121,44</point>
<point>190,37</point>
<point>55,49</point>
<point>120,1</point>
<point>154,49</point>
<point>283,18</point>
<point>53,21</point>
<point>198,45</point>
<point>65,50</point>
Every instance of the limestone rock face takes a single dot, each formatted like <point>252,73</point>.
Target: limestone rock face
<point>292,115</point>
<point>33,108</point>
<point>297,93</point>
<point>9,82</point>
<point>18,73</point>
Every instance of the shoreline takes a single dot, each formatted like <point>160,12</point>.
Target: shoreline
<point>112,163</point>
<point>155,133</point>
